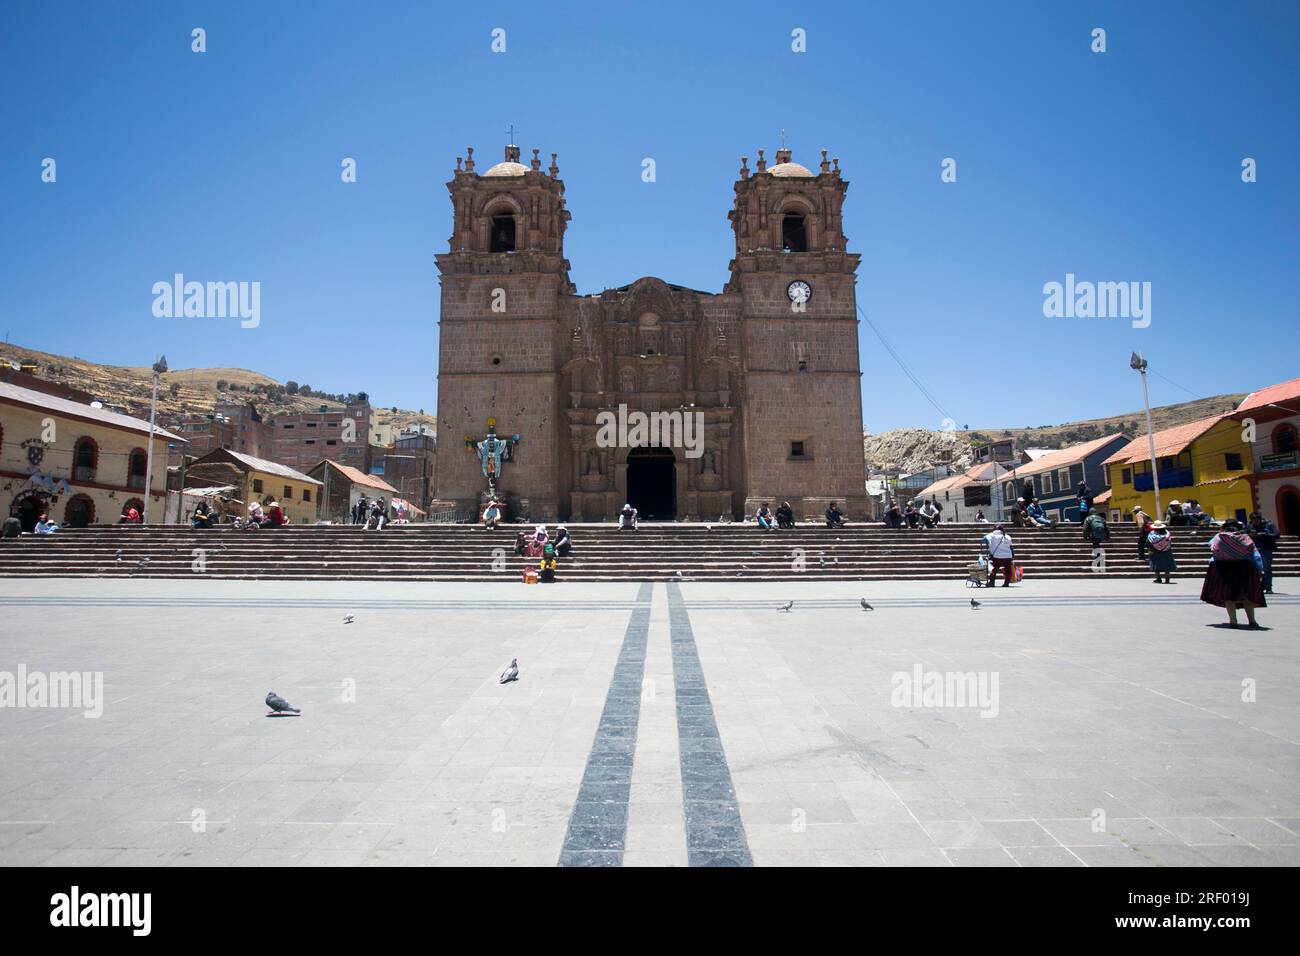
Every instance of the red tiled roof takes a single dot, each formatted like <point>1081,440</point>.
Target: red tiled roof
<point>1169,441</point>
<point>1286,393</point>
<point>359,477</point>
<point>1062,457</point>
<point>985,472</point>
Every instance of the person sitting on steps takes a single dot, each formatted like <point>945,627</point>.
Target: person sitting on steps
<point>627,518</point>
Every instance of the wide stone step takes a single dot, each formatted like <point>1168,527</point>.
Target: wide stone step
<point>656,552</point>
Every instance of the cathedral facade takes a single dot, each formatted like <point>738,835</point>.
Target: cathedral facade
<point>768,367</point>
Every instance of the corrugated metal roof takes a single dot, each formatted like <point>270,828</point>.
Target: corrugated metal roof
<point>359,477</point>
<point>28,396</point>
<point>1287,393</point>
<point>1063,457</point>
<point>270,467</point>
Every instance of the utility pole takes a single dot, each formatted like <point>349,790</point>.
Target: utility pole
<point>159,367</point>
<point>1139,364</point>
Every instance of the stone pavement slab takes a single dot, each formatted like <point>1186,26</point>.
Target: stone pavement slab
<point>1073,723</point>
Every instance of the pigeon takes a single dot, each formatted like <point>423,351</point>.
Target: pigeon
<point>822,560</point>
<point>786,606</point>
<point>865,605</point>
<point>348,619</point>
<point>119,554</point>
<point>975,605</point>
<point>708,527</point>
<point>279,704</point>
<point>679,574</point>
<point>510,673</point>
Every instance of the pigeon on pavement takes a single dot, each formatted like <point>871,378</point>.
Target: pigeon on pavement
<point>279,704</point>
<point>510,673</point>
<point>975,605</point>
<point>786,606</point>
<point>348,618</point>
<point>865,605</point>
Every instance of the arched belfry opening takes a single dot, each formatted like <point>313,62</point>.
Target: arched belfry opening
<point>502,236</point>
<point>652,482</point>
<point>794,233</point>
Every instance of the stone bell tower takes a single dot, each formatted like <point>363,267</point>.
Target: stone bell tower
<point>802,417</point>
<point>503,282</point>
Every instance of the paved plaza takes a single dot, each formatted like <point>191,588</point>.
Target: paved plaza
<point>1063,723</point>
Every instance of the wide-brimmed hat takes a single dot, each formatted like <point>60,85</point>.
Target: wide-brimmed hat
<point>1175,502</point>
<point>1158,525</point>
<point>1137,508</point>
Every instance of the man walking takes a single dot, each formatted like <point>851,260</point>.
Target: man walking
<point>1264,533</point>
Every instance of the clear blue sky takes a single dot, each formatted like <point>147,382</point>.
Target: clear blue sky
<point>225,166</point>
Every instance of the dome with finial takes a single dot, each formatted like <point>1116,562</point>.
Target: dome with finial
<point>784,166</point>
<point>511,166</point>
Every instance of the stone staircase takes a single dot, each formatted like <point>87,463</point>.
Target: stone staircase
<point>429,552</point>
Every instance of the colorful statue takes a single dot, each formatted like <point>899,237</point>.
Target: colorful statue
<point>492,452</point>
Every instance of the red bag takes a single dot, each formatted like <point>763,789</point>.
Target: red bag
<point>1017,572</point>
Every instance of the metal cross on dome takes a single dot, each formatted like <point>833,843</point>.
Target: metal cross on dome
<point>511,133</point>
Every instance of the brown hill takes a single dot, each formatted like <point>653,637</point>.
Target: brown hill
<point>189,391</point>
<point>905,450</point>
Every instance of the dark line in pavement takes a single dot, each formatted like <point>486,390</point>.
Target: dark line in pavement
<point>597,830</point>
<point>715,834</point>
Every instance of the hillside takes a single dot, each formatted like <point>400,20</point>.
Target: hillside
<point>904,450</point>
<point>190,391</point>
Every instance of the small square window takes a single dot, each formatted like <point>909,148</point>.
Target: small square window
<point>288,491</point>
<point>796,449</point>
<point>306,494</point>
<point>1127,476</point>
<point>257,486</point>
<point>1233,461</point>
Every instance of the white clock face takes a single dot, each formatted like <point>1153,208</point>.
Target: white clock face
<point>799,291</point>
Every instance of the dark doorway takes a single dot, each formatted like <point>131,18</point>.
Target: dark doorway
<point>30,509</point>
<point>652,483</point>
<point>1288,511</point>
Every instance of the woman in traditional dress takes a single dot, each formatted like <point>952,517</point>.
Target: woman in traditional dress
<point>1235,576</point>
<point>1161,543</point>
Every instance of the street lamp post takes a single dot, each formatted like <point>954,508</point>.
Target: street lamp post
<point>159,367</point>
<point>1139,364</point>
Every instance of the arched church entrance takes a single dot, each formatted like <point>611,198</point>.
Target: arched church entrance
<point>652,483</point>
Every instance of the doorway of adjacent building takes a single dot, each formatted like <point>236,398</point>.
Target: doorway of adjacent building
<point>1288,510</point>
<point>652,483</point>
<point>30,508</point>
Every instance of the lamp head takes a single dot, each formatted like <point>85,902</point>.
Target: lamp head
<point>160,366</point>
<point>1137,362</point>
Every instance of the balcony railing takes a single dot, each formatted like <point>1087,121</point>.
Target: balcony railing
<point>83,473</point>
<point>1170,478</point>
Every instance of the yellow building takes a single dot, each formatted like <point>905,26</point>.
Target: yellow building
<point>1204,460</point>
<point>76,463</point>
<point>256,479</point>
